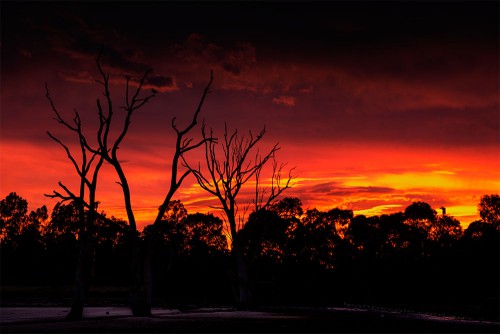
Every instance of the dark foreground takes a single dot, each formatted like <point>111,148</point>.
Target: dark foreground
<point>331,320</point>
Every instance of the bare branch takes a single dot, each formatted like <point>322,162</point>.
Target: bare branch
<point>174,126</point>
<point>69,197</point>
<point>58,116</point>
<point>68,153</point>
<point>206,91</point>
<point>226,177</point>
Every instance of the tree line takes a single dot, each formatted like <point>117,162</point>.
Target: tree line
<point>293,256</point>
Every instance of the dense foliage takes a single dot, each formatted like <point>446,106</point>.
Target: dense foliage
<point>294,256</point>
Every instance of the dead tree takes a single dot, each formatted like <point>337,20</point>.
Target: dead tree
<point>182,146</point>
<point>88,171</point>
<point>108,151</point>
<point>225,177</point>
<point>141,286</point>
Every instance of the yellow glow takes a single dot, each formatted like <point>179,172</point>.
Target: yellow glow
<point>464,213</point>
<point>379,210</point>
<point>445,172</point>
<point>419,180</point>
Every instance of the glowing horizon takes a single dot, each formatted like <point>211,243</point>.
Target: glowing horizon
<point>367,191</point>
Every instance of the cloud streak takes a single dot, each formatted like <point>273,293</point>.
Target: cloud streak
<point>197,50</point>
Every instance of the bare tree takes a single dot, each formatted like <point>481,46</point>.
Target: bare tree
<point>141,288</point>
<point>225,177</point>
<point>108,150</point>
<point>263,198</point>
<point>88,171</point>
<point>182,146</point>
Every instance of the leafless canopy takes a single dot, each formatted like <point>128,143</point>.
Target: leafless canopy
<point>107,147</point>
<point>224,177</point>
<point>182,146</point>
<point>108,144</point>
<point>86,163</point>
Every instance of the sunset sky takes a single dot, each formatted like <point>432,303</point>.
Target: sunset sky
<point>375,104</point>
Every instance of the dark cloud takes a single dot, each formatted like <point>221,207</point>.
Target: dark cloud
<point>78,77</point>
<point>338,189</point>
<point>241,56</point>
<point>122,62</point>
<point>233,58</point>
<point>349,191</point>
<point>323,187</point>
<point>80,39</point>
<point>162,83</point>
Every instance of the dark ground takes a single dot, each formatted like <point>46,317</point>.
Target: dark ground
<point>276,320</point>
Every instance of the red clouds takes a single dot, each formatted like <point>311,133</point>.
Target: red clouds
<point>287,101</point>
<point>374,110</point>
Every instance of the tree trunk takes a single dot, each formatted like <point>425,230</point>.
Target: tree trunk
<point>79,287</point>
<point>138,301</point>
<point>244,294</point>
<point>150,244</point>
<point>148,271</point>
<point>244,290</point>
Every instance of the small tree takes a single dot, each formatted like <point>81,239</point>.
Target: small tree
<point>225,177</point>
<point>489,209</point>
<point>13,210</point>
<point>420,215</point>
<point>21,243</point>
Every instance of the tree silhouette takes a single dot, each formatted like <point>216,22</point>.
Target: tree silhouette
<point>141,286</point>
<point>367,237</point>
<point>64,220</point>
<point>224,177</point>
<point>479,230</point>
<point>291,258</point>
<point>105,152</point>
<point>317,235</point>
<point>183,145</point>
<point>189,234</point>
<point>489,209</point>
<point>420,215</point>
<point>445,229</point>
<point>288,208</point>
<point>13,211</point>
<point>264,234</point>
<point>21,244</point>
<point>88,171</point>
<point>204,235</point>
<point>63,250</point>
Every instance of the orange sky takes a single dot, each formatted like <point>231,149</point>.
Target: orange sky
<point>373,111</point>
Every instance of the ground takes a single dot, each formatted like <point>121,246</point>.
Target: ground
<point>219,320</point>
